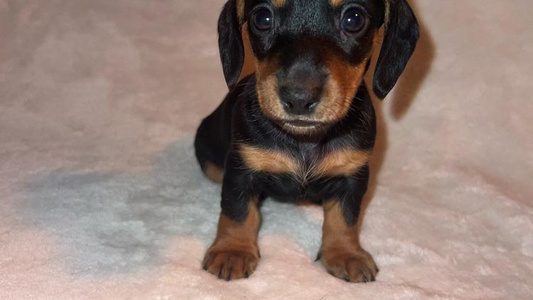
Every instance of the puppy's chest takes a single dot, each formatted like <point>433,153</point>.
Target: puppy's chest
<point>305,163</point>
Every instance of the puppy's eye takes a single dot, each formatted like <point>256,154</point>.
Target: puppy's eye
<point>263,19</point>
<point>354,20</point>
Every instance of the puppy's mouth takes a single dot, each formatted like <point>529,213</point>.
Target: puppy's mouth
<point>302,126</point>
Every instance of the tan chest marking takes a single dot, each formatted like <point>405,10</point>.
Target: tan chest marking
<point>341,162</point>
<point>268,160</point>
<point>338,163</point>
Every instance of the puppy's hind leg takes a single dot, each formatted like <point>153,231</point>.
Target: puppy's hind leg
<point>209,156</point>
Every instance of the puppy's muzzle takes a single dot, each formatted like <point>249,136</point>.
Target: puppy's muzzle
<point>301,88</point>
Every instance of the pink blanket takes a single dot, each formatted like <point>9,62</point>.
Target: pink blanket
<point>101,198</point>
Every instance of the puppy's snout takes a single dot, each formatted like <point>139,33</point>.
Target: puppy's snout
<point>300,99</point>
<point>301,90</point>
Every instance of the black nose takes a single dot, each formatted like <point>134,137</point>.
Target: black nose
<point>301,82</point>
<point>299,100</point>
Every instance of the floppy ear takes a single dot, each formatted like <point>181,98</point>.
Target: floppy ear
<point>230,43</point>
<point>401,35</point>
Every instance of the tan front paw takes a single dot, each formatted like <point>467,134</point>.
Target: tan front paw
<point>351,266</point>
<point>230,264</point>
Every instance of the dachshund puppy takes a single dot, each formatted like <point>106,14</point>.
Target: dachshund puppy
<point>303,125</point>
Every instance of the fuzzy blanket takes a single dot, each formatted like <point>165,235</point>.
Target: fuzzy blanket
<point>101,197</point>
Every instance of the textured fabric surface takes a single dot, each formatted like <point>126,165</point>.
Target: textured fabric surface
<point>101,197</point>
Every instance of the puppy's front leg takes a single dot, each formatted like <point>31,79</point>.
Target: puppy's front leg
<point>341,253</point>
<point>234,253</point>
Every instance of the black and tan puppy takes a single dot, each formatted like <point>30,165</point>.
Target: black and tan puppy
<point>302,126</point>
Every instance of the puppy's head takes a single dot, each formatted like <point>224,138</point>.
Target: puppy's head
<point>311,55</point>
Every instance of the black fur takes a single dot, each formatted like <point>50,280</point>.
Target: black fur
<point>230,43</point>
<point>399,43</point>
<point>306,34</point>
<point>239,119</point>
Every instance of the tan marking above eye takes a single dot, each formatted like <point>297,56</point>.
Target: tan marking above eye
<point>240,7</point>
<point>240,10</point>
<point>279,3</point>
<point>269,160</point>
<point>336,2</point>
<point>387,11</point>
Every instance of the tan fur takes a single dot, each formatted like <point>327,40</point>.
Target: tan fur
<point>214,172</point>
<point>241,3</point>
<point>267,89</point>
<point>340,88</point>
<point>279,3</point>
<point>343,162</point>
<point>338,94</point>
<point>387,12</point>
<point>337,234</point>
<point>336,100</point>
<point>231,234</point>
<point>249,60</point>
<point>268,160</point>
<point>235,253</point>
<point>240,8</point>
<point>341,253</point>
<point>240,11</point>
<point>336,3</point>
